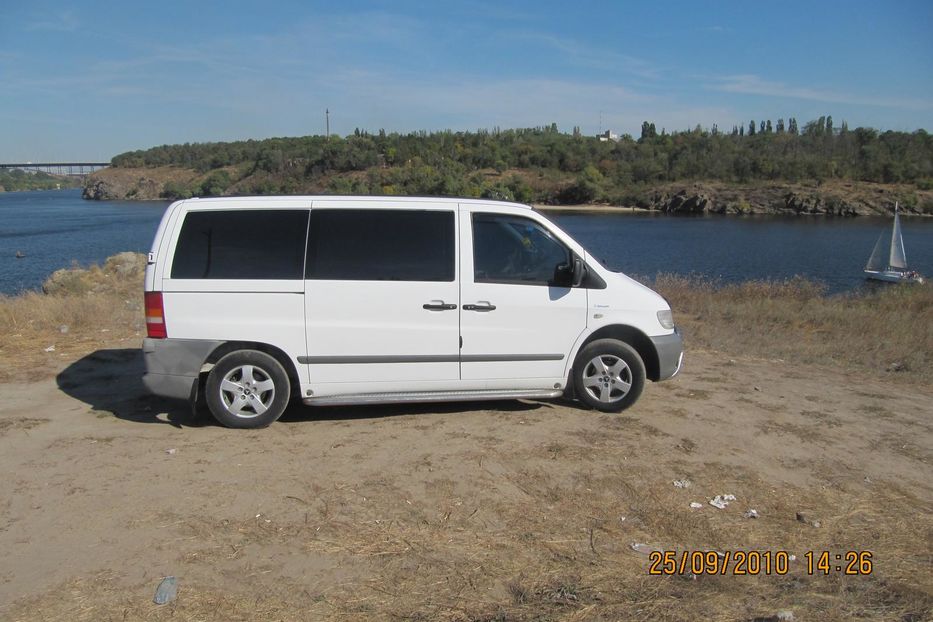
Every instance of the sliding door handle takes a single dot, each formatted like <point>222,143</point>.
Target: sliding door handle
<point>439,305</point>
<point>483,307</point>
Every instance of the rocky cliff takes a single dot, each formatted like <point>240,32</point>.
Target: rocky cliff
<point>137,184</point>
<point>832,198</point>
<point>826,199</point>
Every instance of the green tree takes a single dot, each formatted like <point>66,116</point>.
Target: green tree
<point>174,191</point>
<point>563,166</point>
<point>215,184</point>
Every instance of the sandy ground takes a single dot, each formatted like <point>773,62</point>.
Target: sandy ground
<point>479,511</point>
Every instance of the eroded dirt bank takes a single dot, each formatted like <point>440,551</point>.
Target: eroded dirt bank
<point>830,198</point>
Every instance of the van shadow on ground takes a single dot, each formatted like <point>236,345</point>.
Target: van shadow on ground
<point>297,411</point>
<point>111,381</point>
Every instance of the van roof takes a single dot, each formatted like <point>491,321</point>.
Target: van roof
<point>271,201</point>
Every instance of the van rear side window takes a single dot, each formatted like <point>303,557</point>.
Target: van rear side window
<point>381,245</point>
<point>241,244</point>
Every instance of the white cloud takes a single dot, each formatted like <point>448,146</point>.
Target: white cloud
<point>372,101</point>
<point>588,55</point>
<point>749,84</point>
<point>63,21</point>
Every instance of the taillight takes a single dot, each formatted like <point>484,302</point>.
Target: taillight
<point>155,316</point>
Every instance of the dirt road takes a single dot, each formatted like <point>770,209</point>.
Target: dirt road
<point>481,511</point>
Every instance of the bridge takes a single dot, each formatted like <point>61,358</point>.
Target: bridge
<point>57,168</point>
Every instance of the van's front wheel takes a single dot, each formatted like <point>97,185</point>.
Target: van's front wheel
<point>608,375</point>
<point>247,389</point>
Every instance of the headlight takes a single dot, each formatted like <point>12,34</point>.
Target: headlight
<point>666,318</point>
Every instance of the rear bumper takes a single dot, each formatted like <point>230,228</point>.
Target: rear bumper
<point>173,365</point>
<point>670,349</point>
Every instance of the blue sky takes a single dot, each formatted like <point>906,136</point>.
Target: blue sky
<point>92,79</point>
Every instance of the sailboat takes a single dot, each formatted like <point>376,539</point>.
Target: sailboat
<point>896,270</point>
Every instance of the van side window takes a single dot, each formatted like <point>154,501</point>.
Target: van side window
<point>512,249</point>
<point>381,245</point>
<point>241,244</point>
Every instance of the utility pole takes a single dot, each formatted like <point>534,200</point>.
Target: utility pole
<point>327,123</point>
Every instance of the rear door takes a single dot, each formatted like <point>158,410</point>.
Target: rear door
<point>233,272</point>
<point>382,297</point>
<point>518,327</point>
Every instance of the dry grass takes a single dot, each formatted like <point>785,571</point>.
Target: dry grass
<point>83,309</point>
<point>543,532</point>
<point>887,331</point>
<point>564,545</point>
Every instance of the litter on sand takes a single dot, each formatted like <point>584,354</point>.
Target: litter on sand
<point>50,349</point>
<point>721,501</point>
<point>639,547</point>
<point>166,591</point>
<point>751,514</point>
<point>682,483</point>
<point>695,505</point>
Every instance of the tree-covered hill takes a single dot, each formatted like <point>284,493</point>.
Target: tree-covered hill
<point>543,164</point>
<point>15,179</point>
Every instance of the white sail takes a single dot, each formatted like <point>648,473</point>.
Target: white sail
<point>898,256</point>
<point>875,262</point>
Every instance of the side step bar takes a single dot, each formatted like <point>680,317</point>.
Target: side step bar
<point>431,396</point>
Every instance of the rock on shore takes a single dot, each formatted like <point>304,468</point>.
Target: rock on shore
<point>120,268</point>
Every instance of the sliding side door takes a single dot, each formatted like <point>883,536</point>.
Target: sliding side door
<point>382,298</point>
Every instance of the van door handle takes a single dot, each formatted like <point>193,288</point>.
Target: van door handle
<point>438,305</point>
<point>483,307</point>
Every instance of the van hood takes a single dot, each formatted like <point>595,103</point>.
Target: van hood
<point>641,295</point>
<point>624,292</point>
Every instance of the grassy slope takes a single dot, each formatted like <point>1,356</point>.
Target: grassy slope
<point>890,330</point>
<point>887,332</point>
<point>85,309</point>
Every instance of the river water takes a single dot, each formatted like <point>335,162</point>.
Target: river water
<point>56,228</point>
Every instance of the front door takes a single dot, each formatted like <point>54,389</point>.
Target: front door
<point>518,326</point>
<point>382,298</point>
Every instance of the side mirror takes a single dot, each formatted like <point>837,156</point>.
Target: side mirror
<point>579,272</point>
<point>570,274</point>
<point>563,275</point>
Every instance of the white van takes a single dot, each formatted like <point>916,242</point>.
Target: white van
<point>252,301</point>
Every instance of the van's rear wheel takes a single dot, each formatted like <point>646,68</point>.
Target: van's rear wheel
<point>247,389</point>
<point>608,375</point>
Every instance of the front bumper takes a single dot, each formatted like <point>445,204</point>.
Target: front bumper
<point>173,365</point>
<point>670,349</point>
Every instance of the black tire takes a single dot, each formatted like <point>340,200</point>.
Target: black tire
<point>247,403</point>
<point>615,387</point>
